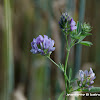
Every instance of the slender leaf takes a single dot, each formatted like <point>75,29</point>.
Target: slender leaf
<point>67,78</point>
<point>94,89</point>
<point>61,66</point>
<point>75,36</point>
<point>77,27</point>
<point>86,43</point>
<point>61,96</point>
<point>79,89</point>
<point>87,34</point>
<point>81,38</point>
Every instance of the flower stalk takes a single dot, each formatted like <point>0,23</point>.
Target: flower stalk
<point>53,62</point>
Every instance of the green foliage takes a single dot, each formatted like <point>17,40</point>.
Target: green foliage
<point>61,66</point>
<point>86,28</point>
<point>67,78</point>
<point>61,96</point>
<point>77,27</point>
<point>86,43</point>
<point>81,38</point>
<point>70,87</point>
<point>79,89</point>
<point>94,89</point>
<point>78,35</point>
<point>70,77</point>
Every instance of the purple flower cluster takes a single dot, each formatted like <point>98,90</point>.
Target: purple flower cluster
<point>42,45</point>
<point>86,79</point>
<point>67,23</point>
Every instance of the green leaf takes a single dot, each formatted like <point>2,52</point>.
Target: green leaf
<point>61,66</point>
<point>70,73</point>
<point>77,27</point>
<point>61,96</point>
<point>74,80</point>
<point>67,78</point>
<point>75,36</point>
<point>94,89</point>
<point>70,89</point>
<point>79,89</point>
<point>86,34</point>
<point>86,43</point>
<point>81,38</point>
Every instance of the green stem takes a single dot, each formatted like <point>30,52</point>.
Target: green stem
<point>65,72</point>
<point>66,61</point>
<point>65,67</point>
<point>54,62</point>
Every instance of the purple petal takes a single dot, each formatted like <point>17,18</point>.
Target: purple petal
<point>34,40</point>
<point>81,73</point>
<point>73,28</point>
<point>91,82</point>
<point>45,36</point>
<point>39,39</point>
<point>72,23</point>
<point>34,51</point>
<point>93,78</point>
<point>82,79</point>
<point>89,88</point>
<point>91,71</point>
<point>86,73</point>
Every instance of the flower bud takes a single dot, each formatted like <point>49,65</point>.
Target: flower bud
<point>67,24</point>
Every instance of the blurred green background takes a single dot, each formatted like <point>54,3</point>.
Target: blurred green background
<point>24,76</point>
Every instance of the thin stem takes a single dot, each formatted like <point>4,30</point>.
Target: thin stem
<point>65,72</point>
<point>67,43</point>
<point>54,62</point>
<point>66,61</point>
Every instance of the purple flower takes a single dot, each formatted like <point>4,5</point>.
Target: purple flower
<point>81,73</point>
<point>42,45</point>
<point>72,24</point>
<point>67,24</point>
<point>86,73</point>
<point>86,78</point>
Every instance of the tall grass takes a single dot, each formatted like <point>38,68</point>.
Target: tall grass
<point>7,53</point>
